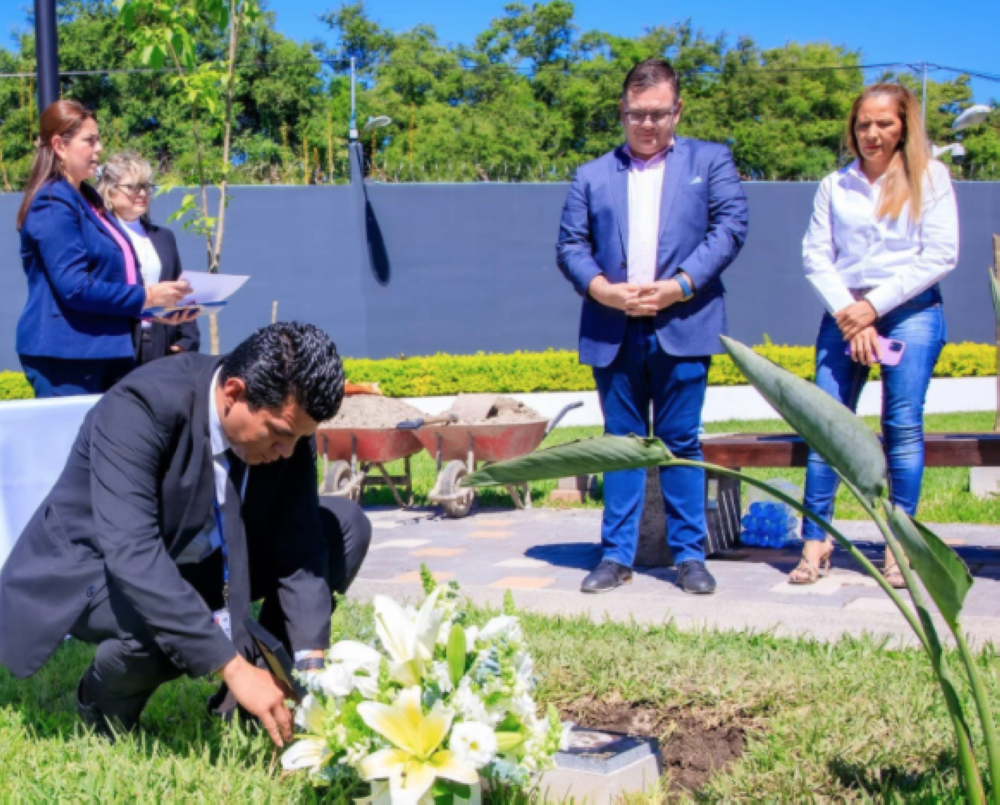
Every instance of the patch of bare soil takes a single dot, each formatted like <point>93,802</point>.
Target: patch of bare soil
<point>371,411</point>
<point>694,745</point>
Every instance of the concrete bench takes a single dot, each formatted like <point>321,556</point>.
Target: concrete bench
<point>744,450</point>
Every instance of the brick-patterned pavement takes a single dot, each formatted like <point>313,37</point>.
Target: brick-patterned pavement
<point>542,555</point>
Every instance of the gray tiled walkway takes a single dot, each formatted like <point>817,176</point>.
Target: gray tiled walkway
<point>542,555</point>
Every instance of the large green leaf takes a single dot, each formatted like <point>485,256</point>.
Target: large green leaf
<point>600,454</point>
<point>828,427</point>
<point>942,571</point>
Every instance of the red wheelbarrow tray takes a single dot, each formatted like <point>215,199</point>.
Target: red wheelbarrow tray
<point>380,445</point>
<point>491,443</point>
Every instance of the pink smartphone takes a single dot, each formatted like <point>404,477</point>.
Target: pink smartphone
<point>890,351</point>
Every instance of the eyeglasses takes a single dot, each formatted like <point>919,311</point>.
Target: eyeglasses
<point>658,116</point>
<point>136,189</point>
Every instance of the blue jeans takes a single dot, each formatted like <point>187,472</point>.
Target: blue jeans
<point>918,323</point>
<point>642,373</point>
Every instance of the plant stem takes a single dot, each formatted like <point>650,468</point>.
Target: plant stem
<point>963,735</point>
<point>985,714</point>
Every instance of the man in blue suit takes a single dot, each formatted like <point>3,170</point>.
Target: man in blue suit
<point>646,232</point>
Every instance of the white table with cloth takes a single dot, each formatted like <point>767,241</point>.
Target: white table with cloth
<point>35,440</point>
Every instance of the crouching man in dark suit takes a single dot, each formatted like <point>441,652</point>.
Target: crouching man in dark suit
<point>190,492</point>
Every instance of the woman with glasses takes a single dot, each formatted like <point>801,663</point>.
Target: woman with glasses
<point>85,293</point>
<point>884,232</point>
<point>126,187</point>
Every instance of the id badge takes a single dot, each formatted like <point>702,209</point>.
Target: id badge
<point>221,618</point>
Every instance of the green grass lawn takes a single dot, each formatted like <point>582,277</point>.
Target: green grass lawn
<point>849,721</point>
<point>945,498</point>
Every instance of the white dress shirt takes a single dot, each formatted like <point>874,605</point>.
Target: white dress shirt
<point>208,541</point>
<point>645,190</point>
<point>848,248</point>
<point>149,259</point>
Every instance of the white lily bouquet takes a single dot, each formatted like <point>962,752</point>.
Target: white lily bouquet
<point>428,709</point>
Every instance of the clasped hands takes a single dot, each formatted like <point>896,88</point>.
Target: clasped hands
<point>636,299</point>
<point>856,323</point>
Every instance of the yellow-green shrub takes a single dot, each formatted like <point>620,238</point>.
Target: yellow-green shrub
<point>559,370</point>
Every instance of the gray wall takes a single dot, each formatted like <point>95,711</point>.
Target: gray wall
<point>463,268</point>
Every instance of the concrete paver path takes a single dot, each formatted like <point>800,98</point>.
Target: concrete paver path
<point>543,554</point>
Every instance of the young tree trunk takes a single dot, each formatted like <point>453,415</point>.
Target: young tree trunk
<point>996,276</point>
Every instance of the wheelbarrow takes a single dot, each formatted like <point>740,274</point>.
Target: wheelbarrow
<point>458,447</point>
<point>350,455</point>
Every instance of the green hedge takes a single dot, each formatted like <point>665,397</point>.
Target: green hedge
<point>553,370</point>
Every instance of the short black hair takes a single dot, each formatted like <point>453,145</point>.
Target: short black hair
<point>289,359</point>
<point>649,73</point>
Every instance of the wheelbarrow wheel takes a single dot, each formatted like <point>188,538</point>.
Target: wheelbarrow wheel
<point>454,472</point>
<point>337,477</point>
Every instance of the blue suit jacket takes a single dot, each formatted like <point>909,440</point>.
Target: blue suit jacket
<point>79,305</point>
<point>703,223</point>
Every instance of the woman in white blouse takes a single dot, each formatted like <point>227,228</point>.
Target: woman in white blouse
<point>127,189</point>
<point>884,231</point>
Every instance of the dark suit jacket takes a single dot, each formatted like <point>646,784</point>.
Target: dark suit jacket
<point>163,336</point>
<point>79,305</point>
<point>703,223</point>
<point>137,487</point>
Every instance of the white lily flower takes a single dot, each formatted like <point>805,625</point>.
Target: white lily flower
<point>360,663</point>
<point>310,714</point>
<point>306,753</point>
<point>471,636</point>
<point>416,759</point>
<point>409,640</point>
<point>473,743</point>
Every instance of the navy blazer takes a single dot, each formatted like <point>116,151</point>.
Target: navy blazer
<point>703,224</point>
<point>79,305</point>
<point>164,336</point>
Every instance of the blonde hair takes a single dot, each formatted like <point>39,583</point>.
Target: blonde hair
<point>118,168</point>
<point>905,177</point>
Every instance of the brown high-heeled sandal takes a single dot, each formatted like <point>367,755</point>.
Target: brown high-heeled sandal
<point>808,573</point>
<point>893,575</point>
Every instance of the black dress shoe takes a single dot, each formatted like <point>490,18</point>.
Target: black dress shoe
<point>606,576</point>
<point>693,577</point>
<point>94,718</point>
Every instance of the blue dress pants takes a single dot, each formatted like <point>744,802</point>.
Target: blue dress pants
<point>56,377</point>
<point>642,373</point>
<point>919,324</point>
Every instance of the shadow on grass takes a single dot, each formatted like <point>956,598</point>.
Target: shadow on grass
<point>896,784</point>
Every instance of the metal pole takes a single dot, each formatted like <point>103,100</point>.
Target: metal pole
<point>923,102</point>
<point>353,133</point>
<point>46,53</point>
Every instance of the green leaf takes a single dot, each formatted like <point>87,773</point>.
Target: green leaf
<point>942,571</point>
<point>506,741</point>
<point>451,787</point>
<point>600,454</point>
<point>830,428</point>
<point>127,11</point>
<point>456,654</point>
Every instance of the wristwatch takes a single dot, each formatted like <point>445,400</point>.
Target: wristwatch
<point>310,664</point>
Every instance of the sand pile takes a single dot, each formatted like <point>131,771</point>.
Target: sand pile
<point>507,411</point>
<point>372,411</point>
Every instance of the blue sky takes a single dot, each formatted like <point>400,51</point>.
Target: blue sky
<point>956,33</point>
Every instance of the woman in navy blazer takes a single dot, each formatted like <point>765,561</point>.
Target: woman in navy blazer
<point>75,334</point>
